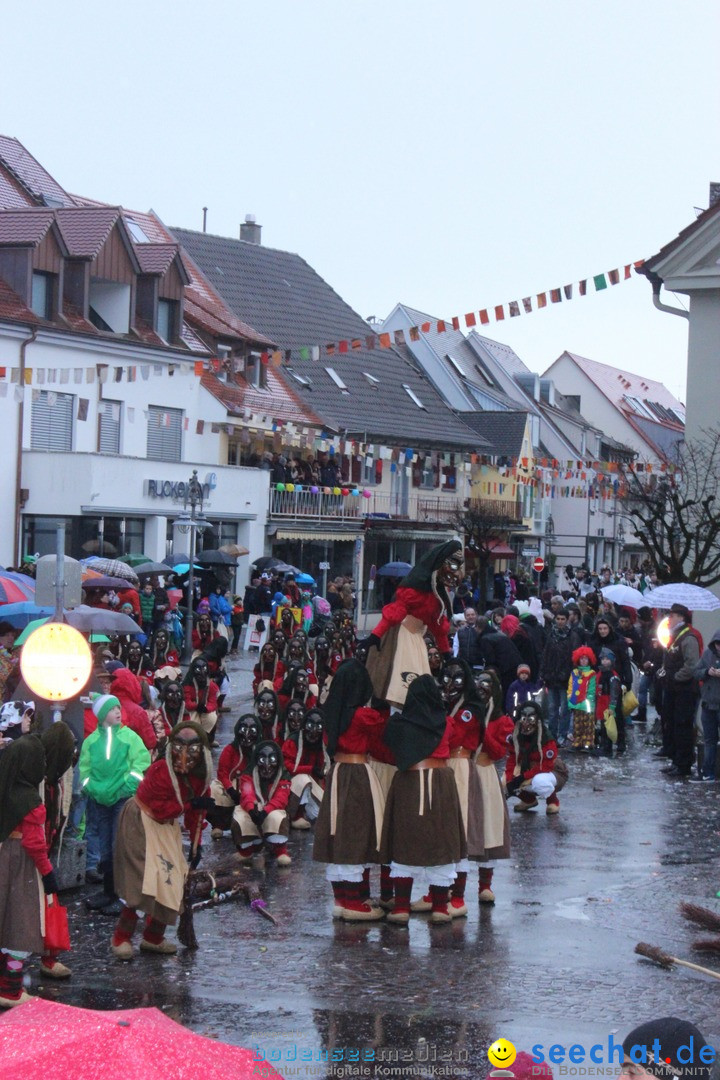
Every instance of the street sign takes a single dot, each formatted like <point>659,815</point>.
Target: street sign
<point>530,553</point>
<point>538,565</point>
<point>324,566</point>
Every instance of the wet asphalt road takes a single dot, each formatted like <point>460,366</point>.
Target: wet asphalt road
<point>551,962</point>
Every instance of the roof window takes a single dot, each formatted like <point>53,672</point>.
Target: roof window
<point>299,378</point>
<point>413,396</point>
<point>458,366</point>
<point>372,380</point>
<point>137,233</point>
<point>337,380</point>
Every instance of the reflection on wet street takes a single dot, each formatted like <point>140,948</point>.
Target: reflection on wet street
<point>551,962</point>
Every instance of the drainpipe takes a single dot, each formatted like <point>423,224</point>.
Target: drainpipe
<point>656,287</point>
<point>19,448</point>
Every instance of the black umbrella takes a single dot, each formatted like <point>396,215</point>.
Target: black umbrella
<point>215,557</point>
<point>176,559</point>
<point>151,568</point>
<point>269,562</point>
<point>92,620</point>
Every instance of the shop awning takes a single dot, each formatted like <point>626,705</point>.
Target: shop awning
<point>500,550</point>
<point>317,534</point>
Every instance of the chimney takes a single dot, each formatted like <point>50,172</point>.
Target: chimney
<point>250,230</point>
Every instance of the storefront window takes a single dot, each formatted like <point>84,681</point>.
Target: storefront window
<point>108,535</point>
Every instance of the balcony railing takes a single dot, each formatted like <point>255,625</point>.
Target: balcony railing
<point>501,511</point>
<point>307,506</point>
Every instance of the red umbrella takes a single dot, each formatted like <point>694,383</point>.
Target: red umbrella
<point>43,1038</point>
<point>14,588</point>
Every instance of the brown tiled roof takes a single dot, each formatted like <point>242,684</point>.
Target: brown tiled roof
<point>75,319</point>
<point>12,196</point>
<point>24,227</point>
<point>12,307</point>
<point>191,339</point>
<point>85,229</point>
<point>277,401</point>
<point>30,173</point>
<point>217,319</point>
<point>155,258</point>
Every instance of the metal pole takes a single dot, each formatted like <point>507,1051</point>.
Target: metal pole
<point>59,572</point>
<point>187,652</point>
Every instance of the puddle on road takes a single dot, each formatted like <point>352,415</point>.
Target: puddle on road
<point>572,908</point>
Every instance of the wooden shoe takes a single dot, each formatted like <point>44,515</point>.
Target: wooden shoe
<point>422,905</point>
<point>437,918</point>
<point>552,808</point>
<point>123,951</point>
<point>398,918</point>
<point>362,912</point>
<point>521,807</point>
<point>486,896</point>
<point>457,907</point>
<point>56,971</point>
<point>166,948</point>
<point>11,1002</point>
<point>283,860</point>
<point>216,834</point>
<point>387,905</point>
<point>300,823</point>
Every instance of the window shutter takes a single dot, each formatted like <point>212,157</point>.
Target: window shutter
<point>109,427</point>
<point>356,469</point>
<point>164,436</point>
<point>51,426</point>
<point>417,474</point>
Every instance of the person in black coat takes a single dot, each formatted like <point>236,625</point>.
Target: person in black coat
<point>605,636</point>
<point>499,652</point>
<point>468,640</point>
<point>555,669</point>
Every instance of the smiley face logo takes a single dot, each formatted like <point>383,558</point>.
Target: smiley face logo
<point>502,1054</point>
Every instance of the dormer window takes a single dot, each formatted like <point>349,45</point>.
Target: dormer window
<point>42,295</point>
<point>110,306</point>
<point>255,371</point>
<point>166,320</point>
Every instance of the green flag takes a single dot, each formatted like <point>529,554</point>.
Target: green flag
<point>600,282</point>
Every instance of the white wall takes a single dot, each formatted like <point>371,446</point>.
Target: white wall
<point>703,376</point>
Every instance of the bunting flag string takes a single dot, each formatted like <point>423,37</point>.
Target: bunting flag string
<point>482,316</point>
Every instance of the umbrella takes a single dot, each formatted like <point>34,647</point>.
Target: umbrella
<point>102,581</point>
<point>46,1038</point>
<point>268,562</point>
<point>134,560</point>
<point>91,620</point>
<point>395,569</point>
<point>173,560</point>
<point>694,597</point>
<point>215,557</point>
<point>21,614</point>
<point>183,567</point>
<point>15,588</point>
<point>624,596</point>
<point>97,547</point>
<point>234,549</point>
<point>114,568</point>
<point>305,579</point>
<point>30,627</point>
<point>150,567</point>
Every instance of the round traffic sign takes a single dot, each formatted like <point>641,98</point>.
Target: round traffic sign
<point>538,565</point>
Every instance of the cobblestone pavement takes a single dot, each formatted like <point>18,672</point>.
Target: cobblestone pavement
<point>551,962</point>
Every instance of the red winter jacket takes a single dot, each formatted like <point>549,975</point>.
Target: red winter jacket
<point>538,763</point>
<point>156,794</point>
<point>312,759</point>
<point>495,743</point>
<point>127,689</point>
<point>231,764</point>
<point>249,799</point>
<point>207,697</point>
<point>359,736</point>
<point>262,674</point>
<point>422,605</point>
<point>466,728</point>
<point>130,596</point>
<point>33,840</point>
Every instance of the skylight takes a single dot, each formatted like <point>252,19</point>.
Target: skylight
<point>337,380</point>
<point>372,380</point>
<point>411,394</point>
<point>299,378</point>
<point>458,366</point>
<point>637,406</point>
<point>136,232</point>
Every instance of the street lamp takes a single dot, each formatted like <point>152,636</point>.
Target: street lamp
<point>192,522</point>
<point>550,539</point>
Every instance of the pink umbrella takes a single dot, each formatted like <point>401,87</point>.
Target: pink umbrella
<point>46,1039</point>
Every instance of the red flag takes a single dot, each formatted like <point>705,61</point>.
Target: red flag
<point>470,318</point>
<point>499,313</point>
<point>356,343</point>
<point>542,299</point>
<point>628,271</point>
<point>264,357</point>
<point>638,263</point>
<point>441,326</point>
<point>343,346</point>
<point>484,317</point>
<point>384,340</point>
<point>582,287</point>
<point>555,296</point>
<point>414,333</point>
<point>199,367</point>
<point>455,322</point>
<point>613,276</point>
<point>425,328</point>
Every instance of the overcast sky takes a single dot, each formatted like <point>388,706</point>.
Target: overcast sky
<point>448,155</point>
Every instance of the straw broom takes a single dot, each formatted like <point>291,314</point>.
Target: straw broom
<point>663,959</point>
<point>708,920</point>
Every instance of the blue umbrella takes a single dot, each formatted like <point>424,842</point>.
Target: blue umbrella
<point>395,569</point>
<point>305,579</point>
<point>183,567</point>
<point>24,612</point>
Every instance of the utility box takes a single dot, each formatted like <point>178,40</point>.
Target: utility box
<point>45,577</point>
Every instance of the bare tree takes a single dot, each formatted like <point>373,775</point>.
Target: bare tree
<point>483,522</point>
<point>676,514</point>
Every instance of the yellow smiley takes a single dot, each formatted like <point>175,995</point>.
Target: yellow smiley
<point>502,1053</point>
